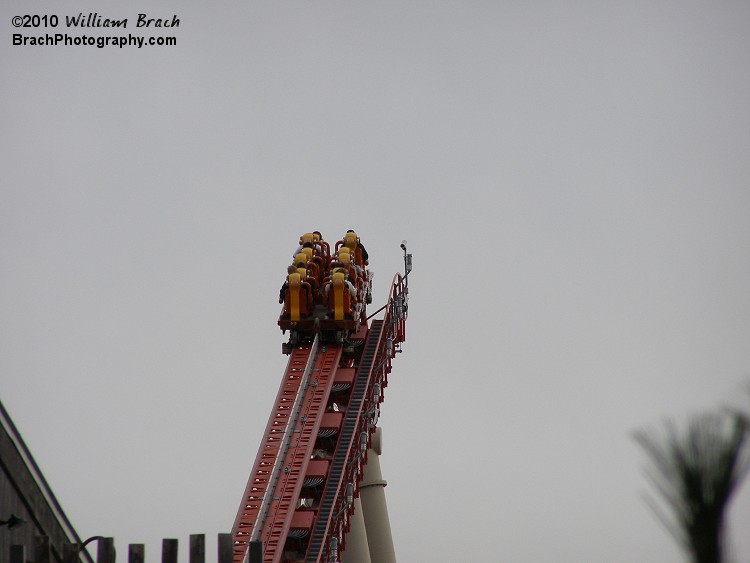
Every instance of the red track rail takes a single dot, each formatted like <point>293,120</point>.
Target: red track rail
<point>260,477</point>
<point>285,487</point>
<point>299,453</point>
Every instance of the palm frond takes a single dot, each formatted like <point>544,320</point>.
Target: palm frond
<point>695,473</point>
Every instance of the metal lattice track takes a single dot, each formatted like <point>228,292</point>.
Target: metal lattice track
<point>344,446</point>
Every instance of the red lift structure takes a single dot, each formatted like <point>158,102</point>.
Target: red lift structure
<point>300,495</point>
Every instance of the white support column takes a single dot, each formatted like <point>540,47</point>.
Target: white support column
<point>356,550</point>
<point>372,494</point>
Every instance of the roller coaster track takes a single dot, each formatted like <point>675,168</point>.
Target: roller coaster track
<point>299,497</point>
<point>343,461</point>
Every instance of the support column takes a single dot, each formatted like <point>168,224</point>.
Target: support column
<point>375,510</point>
<point>356,549</point>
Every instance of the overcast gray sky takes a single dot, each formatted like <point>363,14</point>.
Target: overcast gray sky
<point>572,178</point>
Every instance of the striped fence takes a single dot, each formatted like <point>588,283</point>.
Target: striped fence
<point>105,551</point>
